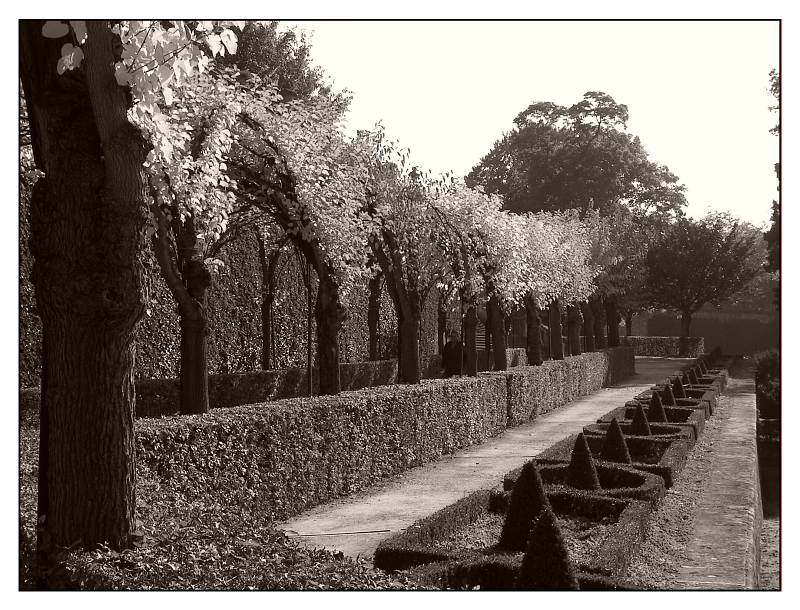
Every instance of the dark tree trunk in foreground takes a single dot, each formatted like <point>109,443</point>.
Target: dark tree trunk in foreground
<point>87,221</point>
<point>470,326</point>
<point>373,317</point>
<point>686,322</point>
<point>588,326</point>
<point>628,323</point>
<point>269,266</point>
<point>599,315</point>
<point>574,322</point>
<point>534,332</point>
<point>498,330</point>
<point>556,343</point>
<point>612,320</point>
<point>408,325</point>
<point>329,315</point>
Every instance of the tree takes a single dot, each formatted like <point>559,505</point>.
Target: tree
<point>292,162</point>
<point>558,158</point>
<point>773,235</point>
<point>88,214</point>
<point>699,262</point>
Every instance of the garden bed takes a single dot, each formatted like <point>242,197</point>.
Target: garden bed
<point>664,458</point>
<point>683,417</point>
<point>658,431</point>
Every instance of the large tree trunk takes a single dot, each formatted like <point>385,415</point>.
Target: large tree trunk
<point>408,325</point>
<point>556,342</point>
<point>470,326</point>
<point>686,322</point>
<point>441,324</point>
<point>498,330</point>
<point>612,320</point>
<point>87,221</point>
<point>194,345</point>
<point>269,265</point>
<point>588,326</point>
<point>330,314</point>
<point>574,321</point>
<point>599,315</point>
<point>534,330</point>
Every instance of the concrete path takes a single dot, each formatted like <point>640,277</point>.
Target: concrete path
<point>357,524</point>
<point>724,551</point>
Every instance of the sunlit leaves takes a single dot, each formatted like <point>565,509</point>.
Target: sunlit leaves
<point>54,29</point>
<point>71,58</point>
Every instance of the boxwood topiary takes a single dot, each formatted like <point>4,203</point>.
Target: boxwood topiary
<point>615,449</point>
<point>640,426</point>
<point>546,564</point>
<point>527,500</point>
<point>582,473</point>
<point>656,411</point>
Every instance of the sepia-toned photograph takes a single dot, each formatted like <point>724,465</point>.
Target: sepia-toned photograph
<point>383,304</point>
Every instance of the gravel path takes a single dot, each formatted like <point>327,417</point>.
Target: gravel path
<point>657,564</point>
<point>770,555</point>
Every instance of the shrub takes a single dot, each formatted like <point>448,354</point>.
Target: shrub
<point>656,411</point>
<point>582,473</point>
<point>527,500</point>
<point>615,449</point>
<point>640,426</point>
<point>546,564</point>
<point>663,346</point>
<point>279,458</point>
<point>768,384</point>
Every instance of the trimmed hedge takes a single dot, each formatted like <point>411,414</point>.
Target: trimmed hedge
<point>277,459</point>
<point>157,397</point>
<point>694,418</point>
<point>536,390</point>
<point>664,458</point>
<point>659,431</point>
<point>515,356</point>
<point>663,346</point>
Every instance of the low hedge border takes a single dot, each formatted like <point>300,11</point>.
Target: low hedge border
<point>279,458</point>
<point>663,346</point>
<point>497,573</point>
<point>536,390</point>
<point>620,482</point>
<point>411,547</point>
<point>694,418</point>
<point>666,457</point>
<point>707,400</point>
<point>659,431</point>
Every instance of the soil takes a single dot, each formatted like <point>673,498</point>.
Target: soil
<point>582,537</point>
<point>770,555</point>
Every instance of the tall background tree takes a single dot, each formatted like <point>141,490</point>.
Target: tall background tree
<point>773,235</point>
<point>699,262</point>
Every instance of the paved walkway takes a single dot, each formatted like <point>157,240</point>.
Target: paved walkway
<point>724,552</point>
<point>357,524</point>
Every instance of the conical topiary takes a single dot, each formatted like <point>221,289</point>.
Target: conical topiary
<point>685,379</point>
<point>528,499</point>
<point>703,367</point>
<point>656,411</point>
<point>546,565</point>
<point>640,426</point>
<point>668,396</point>
<point>677,388</point>
<point>582,472</point>
<point>615,449</point>
<point>693,377</point>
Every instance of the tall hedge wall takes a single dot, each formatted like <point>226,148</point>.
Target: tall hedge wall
<point>279,458</point>
<point>663,346</point>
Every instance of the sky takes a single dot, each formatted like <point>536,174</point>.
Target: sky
<point>696,91</point>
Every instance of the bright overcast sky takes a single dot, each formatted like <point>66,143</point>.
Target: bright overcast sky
<point>696,91</point>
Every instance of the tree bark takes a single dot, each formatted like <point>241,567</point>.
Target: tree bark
<point>441,324</point>
<point>269,265</point>
<point>574,321</point>
<point>686,323</point>
<point>628,323</point>
<point>534,330</point>
<point>470,326</point>
<point>373,317</point>
<point>408,325</point>
<point>556,342</point>
<point>497,328</point>
<point>612,320</point>
<point>599,315</point>
<point>194,345</point>
<point>588,326</point>
<point>87,220</point>
<point>330,315</point>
